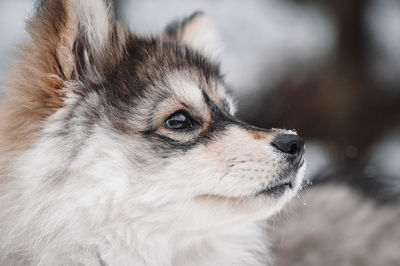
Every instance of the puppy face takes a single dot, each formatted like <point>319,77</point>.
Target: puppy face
<point>147,124</point>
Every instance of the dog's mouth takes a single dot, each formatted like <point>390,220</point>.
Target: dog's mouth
<point>280,187</point>
<point>276,190</point>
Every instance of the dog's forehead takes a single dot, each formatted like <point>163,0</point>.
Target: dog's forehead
<point>194,90</point>
<point>181,70</point>
<point>154,74</point>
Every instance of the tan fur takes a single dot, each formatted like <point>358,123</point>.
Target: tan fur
<point>244,142</point>
<point>43,72</point>
<point>35,85</point>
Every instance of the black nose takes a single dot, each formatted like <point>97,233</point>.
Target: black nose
<point>290,144</point>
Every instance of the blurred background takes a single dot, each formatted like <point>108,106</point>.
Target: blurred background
<point>329,69</point>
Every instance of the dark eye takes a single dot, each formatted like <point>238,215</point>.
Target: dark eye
<point>179,121</point>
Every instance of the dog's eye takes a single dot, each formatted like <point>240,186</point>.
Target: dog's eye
<point>179,121</point>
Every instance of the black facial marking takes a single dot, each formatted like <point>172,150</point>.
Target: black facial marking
<point>218,114</point>
<point>221,119</point>
<point>166,145</point>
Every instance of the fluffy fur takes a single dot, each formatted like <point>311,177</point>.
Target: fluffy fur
<point>92,175</point>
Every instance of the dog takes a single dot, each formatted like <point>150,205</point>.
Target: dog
<point>117,149</point>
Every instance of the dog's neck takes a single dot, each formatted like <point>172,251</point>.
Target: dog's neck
<point>243,245</point>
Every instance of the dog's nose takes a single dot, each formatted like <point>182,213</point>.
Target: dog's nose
<point>293,145</point>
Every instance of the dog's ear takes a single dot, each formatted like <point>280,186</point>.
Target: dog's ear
<point>196,31</point>
<point>68,32</point>
<point>69,42</point>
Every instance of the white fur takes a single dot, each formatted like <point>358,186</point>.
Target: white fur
<point>93,15</point>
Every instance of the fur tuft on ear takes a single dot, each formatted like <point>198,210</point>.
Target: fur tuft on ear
<point>196,31</point>
<point>70,40</point>
<point>62,26</point>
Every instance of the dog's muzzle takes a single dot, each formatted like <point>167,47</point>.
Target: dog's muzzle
<point>292,148</point>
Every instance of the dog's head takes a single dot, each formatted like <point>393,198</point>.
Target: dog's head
<point>145,125</point>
